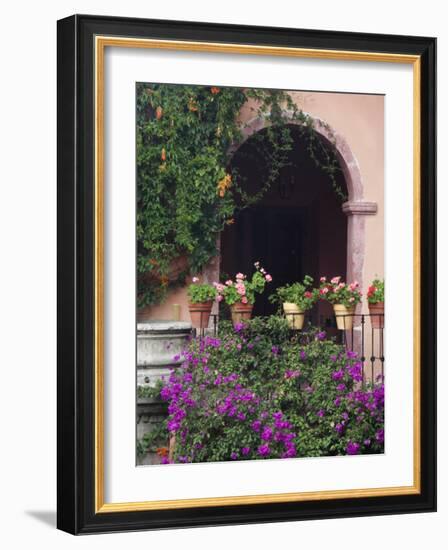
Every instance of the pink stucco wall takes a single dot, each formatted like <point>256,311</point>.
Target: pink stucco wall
<point>359,120</point>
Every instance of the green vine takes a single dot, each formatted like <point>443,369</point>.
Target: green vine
<point>186,192</point>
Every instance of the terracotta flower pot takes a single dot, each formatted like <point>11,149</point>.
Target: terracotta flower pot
<point>200,313</point>
<point>240,312</point>
<point>344,316</point>
<point>294,315</point>
<point>377,315</point>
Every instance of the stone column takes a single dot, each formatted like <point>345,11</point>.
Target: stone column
<point>356,242</point>
<point>356,239</point>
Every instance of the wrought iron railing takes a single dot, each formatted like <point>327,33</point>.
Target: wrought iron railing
<point>361,333</point>
<point>367,339</point>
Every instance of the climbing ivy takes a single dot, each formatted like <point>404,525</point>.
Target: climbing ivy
<point>186,190</point>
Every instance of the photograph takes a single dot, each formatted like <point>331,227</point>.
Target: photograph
<point>260,280</point>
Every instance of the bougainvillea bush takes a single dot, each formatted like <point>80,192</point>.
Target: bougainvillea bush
<point>255,393</point>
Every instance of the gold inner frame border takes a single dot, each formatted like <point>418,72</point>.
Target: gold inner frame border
<point>101,42</point>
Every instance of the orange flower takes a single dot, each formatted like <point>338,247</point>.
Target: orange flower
<point>159,112</point>
<point>224,184</point>
<point>192,106</point>
<point>215,90</point>
<point>163,155</point>
<point>162,451</point>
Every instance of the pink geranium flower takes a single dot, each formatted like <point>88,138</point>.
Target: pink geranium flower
<point>241,289</point>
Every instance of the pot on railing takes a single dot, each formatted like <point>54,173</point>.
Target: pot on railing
<point>344,316</point>
<point>240,312</point>
<point>294,315</point>
<point>200,313</point>
<point>377,314</point>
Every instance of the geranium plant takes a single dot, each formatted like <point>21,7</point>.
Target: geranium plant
<point>301,294</point>
<point>243,289</point>
<point>375,292</point>
<point>201,292</point>
<point>336,291</point>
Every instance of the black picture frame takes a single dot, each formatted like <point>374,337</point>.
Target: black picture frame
<point>76,285</point>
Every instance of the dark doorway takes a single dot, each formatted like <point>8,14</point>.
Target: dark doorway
<point>296,229</point>
<point>272,236</point>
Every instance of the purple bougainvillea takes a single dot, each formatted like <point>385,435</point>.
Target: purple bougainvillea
<point>352,448</point>
<point>254,393</point>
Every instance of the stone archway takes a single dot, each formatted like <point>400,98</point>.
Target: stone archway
<point>356,208</point>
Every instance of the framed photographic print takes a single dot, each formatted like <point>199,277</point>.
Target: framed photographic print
<point>246,274</point>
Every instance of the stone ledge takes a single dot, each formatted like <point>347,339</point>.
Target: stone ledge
<point>163,327</point>
<point>151,408</point>
<point>360,207</point>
